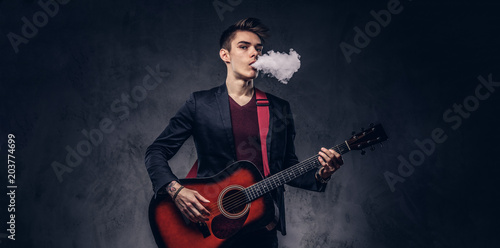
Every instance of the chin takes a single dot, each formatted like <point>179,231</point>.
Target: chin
<point>250,75</point>
<point>254,75</point>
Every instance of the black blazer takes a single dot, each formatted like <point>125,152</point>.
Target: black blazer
<point>206,116</point>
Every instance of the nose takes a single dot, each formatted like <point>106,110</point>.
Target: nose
<point>254,53</point>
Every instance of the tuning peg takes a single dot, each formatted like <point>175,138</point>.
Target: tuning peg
<point>371,125</point>
<point>372,148</point>
<point>363,152</point>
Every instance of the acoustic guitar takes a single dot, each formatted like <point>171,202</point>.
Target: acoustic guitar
<point>240,199</point>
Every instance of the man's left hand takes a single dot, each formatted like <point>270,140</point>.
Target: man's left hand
<point>330,160</point>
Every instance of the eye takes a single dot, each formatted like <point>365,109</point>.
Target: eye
<point>243,47</point>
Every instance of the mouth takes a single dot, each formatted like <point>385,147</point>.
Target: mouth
<point>251,64</point>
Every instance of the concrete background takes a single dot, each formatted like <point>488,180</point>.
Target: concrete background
<point>73,72</point>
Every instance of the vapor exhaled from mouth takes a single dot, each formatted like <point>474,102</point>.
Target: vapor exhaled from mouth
<point>282,66</point>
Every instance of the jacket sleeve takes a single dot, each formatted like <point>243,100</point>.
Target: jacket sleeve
<point>167,144</point>
<point>308,180</point>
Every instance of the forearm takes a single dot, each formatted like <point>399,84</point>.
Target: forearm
<point>158,168</point>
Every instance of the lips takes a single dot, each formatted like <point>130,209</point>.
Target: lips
<point>252,66</point>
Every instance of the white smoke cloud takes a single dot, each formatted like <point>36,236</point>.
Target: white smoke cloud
<point>279,65</point>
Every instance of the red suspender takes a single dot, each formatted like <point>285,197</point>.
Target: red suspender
<point>263,117</point>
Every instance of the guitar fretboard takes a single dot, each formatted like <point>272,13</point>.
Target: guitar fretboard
<point>265,186</point>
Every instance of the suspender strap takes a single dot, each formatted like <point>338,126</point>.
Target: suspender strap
<point>263,117</point>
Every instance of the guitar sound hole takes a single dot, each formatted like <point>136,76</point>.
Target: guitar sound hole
<point>233,201</point>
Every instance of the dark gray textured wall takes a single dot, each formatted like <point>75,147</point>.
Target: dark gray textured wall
<point>74,71</point>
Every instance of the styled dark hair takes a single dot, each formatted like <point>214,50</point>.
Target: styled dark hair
<point>253,25</point>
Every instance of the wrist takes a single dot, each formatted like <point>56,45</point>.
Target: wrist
<point>324,174</point>
<point>177,192</point>
<point>172,187</point>
<point>322,177</point>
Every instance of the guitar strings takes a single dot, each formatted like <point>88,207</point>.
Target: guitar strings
<point>252,191</point>
<point>233,202</point>
<point>239,198</point>
<point>245,196</point>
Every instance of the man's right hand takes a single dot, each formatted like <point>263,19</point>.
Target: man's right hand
<point>188,201</point>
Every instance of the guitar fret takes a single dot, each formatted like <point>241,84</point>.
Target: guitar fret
<point>247,193</point>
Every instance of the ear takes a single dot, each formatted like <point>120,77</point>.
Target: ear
<point>224,55</point>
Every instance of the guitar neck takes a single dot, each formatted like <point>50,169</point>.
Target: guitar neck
<point>268,184</point>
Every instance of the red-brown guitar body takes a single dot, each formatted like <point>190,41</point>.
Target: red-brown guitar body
<point>239,199</point>
<point>227,220</point>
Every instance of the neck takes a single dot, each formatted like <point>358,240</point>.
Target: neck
<point>239,87</point>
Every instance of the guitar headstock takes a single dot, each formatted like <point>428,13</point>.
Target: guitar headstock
<point>367,138</point>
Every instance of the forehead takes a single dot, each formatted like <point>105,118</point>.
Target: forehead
<point>246,36</point>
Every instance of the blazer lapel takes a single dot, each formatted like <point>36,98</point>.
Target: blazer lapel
<point>225,114</point>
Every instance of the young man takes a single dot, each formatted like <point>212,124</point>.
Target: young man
<point>224,125</point>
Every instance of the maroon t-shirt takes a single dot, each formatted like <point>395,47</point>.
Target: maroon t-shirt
<point>246,132</point>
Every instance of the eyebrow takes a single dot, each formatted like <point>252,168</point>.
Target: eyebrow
<point>248,43</point>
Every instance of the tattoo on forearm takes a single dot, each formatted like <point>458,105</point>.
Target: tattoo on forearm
<point>170,187</point>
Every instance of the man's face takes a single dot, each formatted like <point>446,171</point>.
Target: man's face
<point>245,48</point>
